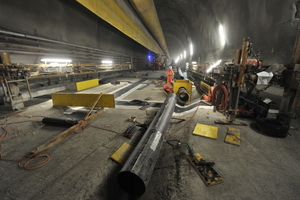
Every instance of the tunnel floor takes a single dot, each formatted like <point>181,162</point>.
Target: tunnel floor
<point>262,167</point>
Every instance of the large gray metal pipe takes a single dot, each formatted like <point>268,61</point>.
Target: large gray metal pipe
<point>135,174</point>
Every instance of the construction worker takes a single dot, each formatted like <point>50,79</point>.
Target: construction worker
<point>169,75</point>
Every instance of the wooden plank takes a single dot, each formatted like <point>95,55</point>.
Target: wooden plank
<point>179,118</point>
<point>206,131</point>
<point>82,85</point>
<point>233,136</point>
<point>87,100</point>
<point>65,134</point>
<point>100,95</point>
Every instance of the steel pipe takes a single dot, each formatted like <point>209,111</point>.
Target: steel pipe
<point>54,41</point>
<point>183,96</point>
<point>147,11</point>
<point>136,173</point>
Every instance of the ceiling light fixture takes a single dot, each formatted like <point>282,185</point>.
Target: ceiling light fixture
<point>55,60</point>
<point>222,35</point>
<point>106,62</point>
<point>213,66</point>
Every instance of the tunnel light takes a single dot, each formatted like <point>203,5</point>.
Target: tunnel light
<point>184,54</point>
<point>191,49</point>
<point>213,66</point>
<point>194,63</point>
<point>177,59</point>
<point>222,35</point>
<point>180,56</point>
<point>106,62</point>
<point>54,60</point>
<point>149,57</point>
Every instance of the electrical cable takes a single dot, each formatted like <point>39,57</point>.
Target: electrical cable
<point>220,98</point>
<point>27,158</point>
<point>188,120</point>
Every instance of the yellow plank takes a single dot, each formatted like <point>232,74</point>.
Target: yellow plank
<point>233,136</point>
<point>87,100</point>
<point>82,85</point>
<point>187,84</point>
<point>206,131</point>
<point>121,155</point>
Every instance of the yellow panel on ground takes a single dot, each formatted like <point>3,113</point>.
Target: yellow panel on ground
<point>233,136</point>
<point>206,131</point>
<point>87,100</point>
<point>121,155</point>
<point>187,84</point>
<point>82,85</point>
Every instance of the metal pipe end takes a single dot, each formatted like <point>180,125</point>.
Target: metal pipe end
<point>131,183</point>
<point>183,96</point>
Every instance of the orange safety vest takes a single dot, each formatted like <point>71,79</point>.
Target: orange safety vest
<point>169,72</point>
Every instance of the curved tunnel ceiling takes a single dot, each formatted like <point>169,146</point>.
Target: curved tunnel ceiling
<point>271,25</point>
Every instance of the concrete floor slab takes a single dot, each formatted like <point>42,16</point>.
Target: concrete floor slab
<point>262,167</point>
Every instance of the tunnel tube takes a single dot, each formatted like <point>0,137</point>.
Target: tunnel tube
<point>136,173</point>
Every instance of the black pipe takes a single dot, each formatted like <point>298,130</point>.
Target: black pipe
<point>59,122</point>
<point>183,96</point>
<point>135,174</point>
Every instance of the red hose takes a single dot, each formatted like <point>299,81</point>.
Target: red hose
<point>220,98</point>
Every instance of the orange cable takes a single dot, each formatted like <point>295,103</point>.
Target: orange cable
<point>220,102</point>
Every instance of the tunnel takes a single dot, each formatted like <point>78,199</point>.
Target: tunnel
<point>248,48</point>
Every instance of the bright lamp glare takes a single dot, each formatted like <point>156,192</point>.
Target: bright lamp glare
<point>191,49</point>
<point>194,63</point>
<point>106,61</point>
<point>54,60</point>
<point>184,54</point>
<point>180,56</point>
<point>177,59</point>
<point>213,66</point>
<point>222,35</point>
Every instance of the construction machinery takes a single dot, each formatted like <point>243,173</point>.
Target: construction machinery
<point>227,96</point>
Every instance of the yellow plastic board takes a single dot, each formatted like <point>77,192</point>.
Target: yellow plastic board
<point>233,136</point>
<point>206,131</point>
<point>121,155</point>
<point>87,100</point>
<point>82,85</point>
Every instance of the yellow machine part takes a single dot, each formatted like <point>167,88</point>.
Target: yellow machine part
<point>121,155</point>
<point>87,100</point>
<point>187,84</point>
<point>204,87</point>
<point>82,85</point>
<point>233,136</point>
<point>206,131</point>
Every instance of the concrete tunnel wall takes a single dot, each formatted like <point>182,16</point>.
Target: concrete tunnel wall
<point>271,24</point>
<point>66,21</point>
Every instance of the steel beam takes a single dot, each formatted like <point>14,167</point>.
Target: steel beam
<point>117,13</point>
<point>135,174</point>
<point>147,11</point>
